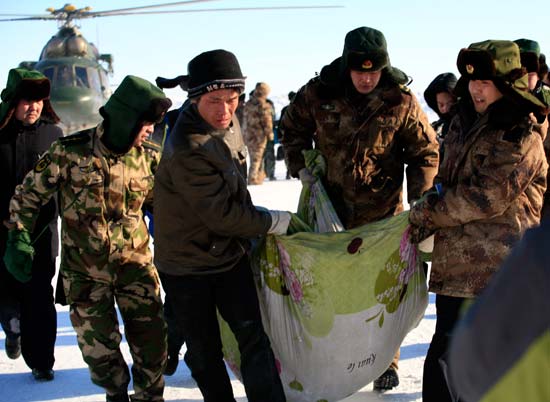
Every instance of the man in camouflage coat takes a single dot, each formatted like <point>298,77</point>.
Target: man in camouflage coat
<point>104,177</point>
<point>536,69</point>
<point>489,189</point>
<point>368,126</point>
<point>258,130</point>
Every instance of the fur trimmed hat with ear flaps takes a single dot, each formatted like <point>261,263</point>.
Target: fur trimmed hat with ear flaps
<point>529,52</point>
<point>134,102</point>
<point>28,85</point>
<point>498,61</point>
<point>365,49</point>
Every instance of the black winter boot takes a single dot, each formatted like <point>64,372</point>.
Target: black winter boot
<point>13,347</point>
<point>172,364</point>
<point>118,398</point>
<point>386,381</point>
<point>42,375</point>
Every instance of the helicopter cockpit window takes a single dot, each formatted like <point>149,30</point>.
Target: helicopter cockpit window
<point>95,83</point>
<point>81,77</point>
<point>64,76</point>
<point>48,72</point>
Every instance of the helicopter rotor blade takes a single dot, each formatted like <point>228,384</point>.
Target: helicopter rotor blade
<point>22,15</point>
<point>177,3</point>
<point>33,18</point>
<point>207,10</point>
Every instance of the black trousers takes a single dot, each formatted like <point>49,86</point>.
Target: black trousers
<point>434,383</point>
<point>194,300</point>
<point>32,303</point>
<point>174,332</point>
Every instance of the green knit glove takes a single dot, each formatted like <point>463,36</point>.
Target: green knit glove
<point>19,255</point>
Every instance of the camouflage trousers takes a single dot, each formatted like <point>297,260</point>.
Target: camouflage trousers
<point>256,172</point>
<point>136,290</point>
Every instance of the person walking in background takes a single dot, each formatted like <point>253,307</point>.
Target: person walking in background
<point>368,125</point>
<point>441,99</point>
<point>203,219</point>
<point>103,178</point>
<point>27,310</point>
<point>269,153</point>
<point>281,149</point>
<point>489,189</point>
<point>257,130</point>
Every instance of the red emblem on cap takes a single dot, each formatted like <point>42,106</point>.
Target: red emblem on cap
<point>367,64</point>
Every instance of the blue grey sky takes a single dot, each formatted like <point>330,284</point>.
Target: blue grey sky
<point>282,48</point>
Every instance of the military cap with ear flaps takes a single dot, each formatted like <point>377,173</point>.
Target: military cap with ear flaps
<point>530,53</point>
<point>365,49</point>
<point>134,102</point>
<point>29,85</point>
<point>498,61</point>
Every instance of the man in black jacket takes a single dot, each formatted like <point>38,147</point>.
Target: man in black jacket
<point>203,218</point>
<point>27,311</point>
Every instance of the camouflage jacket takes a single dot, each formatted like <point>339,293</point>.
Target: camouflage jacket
<point>203,211</point>
<point>367,141</point>
<point>257,122</point>
<point>493,176</point>
<point>543,128</point>
<point>101,196</point>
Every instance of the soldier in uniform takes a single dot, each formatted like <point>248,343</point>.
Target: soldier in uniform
<point>269,152</point>
<point>368,126</point>
<point>27,311</point>
<point>489,189</point>
<point>257,130</point>
<point>537,70</point>
<point>104,177</point>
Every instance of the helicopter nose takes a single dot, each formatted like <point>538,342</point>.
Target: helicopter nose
<point>77,108</point>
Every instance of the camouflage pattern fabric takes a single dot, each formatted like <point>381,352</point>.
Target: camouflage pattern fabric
<point>105,254</point>
<point>544,132</point>
<point>493,184</point>
<point>367,143</point>
<point>257,130</point>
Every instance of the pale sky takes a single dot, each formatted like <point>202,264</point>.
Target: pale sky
<point>282,48</point>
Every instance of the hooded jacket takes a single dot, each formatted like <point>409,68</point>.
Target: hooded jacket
<point>203,211</point>
<point>366,139</point>
<point>445,82</point>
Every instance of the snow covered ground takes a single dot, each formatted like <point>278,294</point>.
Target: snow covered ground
<point>72,381</point>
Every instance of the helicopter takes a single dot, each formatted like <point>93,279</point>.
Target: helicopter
<point>78,72</point>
